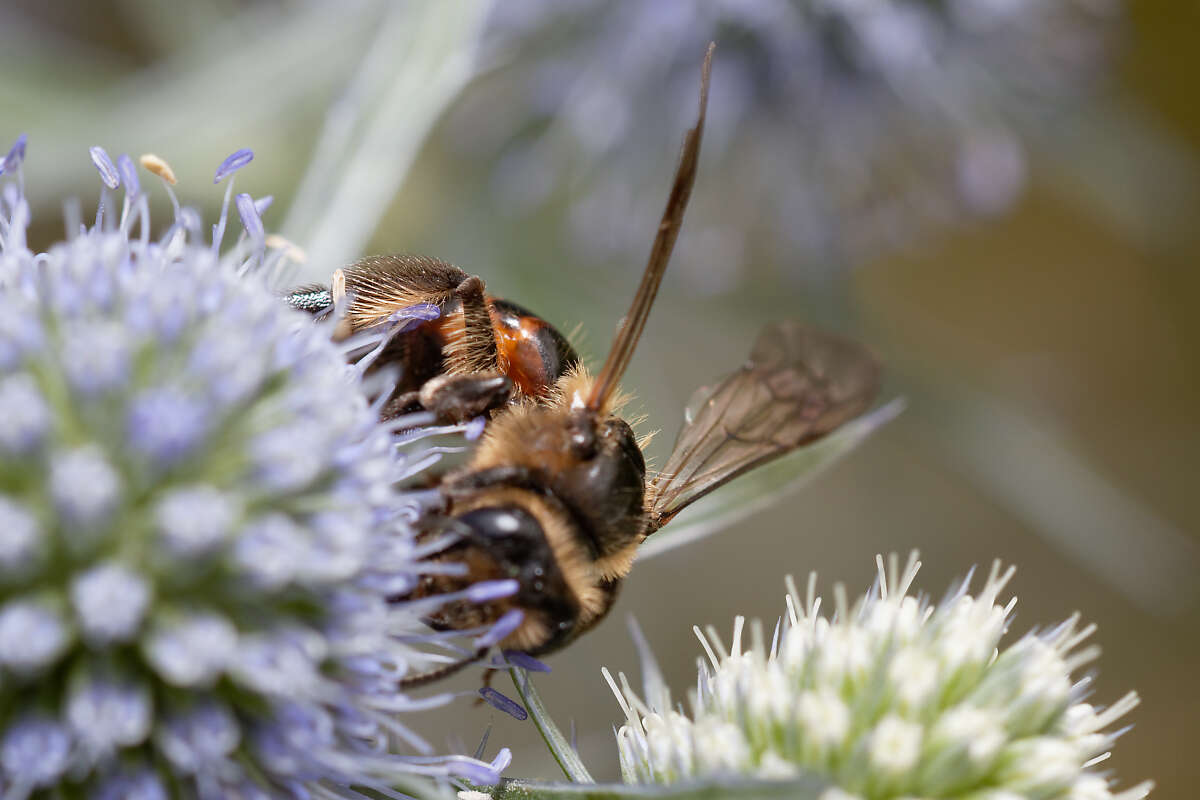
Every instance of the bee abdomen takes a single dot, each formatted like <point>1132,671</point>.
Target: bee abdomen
<point>531,351</point>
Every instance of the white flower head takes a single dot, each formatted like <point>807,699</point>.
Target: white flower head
<point>889,697</point>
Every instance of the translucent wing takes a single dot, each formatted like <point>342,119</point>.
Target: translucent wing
<point>798,385</point>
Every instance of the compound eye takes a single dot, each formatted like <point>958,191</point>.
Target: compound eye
<point>620,429</point>
<point>506,522</point>
<point>513,540</point>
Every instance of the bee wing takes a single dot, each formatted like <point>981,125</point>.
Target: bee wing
<point>798,385</point>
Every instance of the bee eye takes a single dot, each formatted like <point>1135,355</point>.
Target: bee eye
<point>628,443</point>
<point>510,523</point>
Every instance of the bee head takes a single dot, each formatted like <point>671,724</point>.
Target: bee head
<point>605,482</point>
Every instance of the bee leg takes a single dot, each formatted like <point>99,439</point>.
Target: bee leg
<point>458,398</point>
<point>472,351</point>
<point>404,403</point>
<point>420,679</point>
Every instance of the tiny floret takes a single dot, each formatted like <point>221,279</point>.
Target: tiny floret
<point>110,602</point>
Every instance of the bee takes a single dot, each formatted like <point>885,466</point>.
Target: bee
<point>556,496</point>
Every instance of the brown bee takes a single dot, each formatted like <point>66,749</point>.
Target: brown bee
<point>556,495</point>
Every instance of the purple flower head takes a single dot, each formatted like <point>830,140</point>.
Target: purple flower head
<point>200,531</point>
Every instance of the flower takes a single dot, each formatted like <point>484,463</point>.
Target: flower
<point>890,697</point>
<point>199,527</point>
<point>838,129</point>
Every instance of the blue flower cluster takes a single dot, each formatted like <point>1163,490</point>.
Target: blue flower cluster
<point>199,529</point>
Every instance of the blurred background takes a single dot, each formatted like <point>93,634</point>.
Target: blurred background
<point>1000,196</point>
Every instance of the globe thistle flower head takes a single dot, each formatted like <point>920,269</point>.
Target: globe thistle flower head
<point>838,129</point>
<point>888,697</point>
<point>199,525</point>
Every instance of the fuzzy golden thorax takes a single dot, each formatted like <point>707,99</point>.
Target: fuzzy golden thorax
<point>590,462</point>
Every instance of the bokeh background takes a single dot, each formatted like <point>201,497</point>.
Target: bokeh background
<point>1000,196</point>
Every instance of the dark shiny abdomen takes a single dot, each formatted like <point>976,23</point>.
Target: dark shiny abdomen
<point>531,352</point>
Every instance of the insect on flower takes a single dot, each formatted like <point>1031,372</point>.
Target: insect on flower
<point>555,499</point>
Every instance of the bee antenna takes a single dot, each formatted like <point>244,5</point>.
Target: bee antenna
<point>630,329</point>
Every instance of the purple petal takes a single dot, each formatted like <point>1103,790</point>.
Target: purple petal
<point>502,703</point>
<point>525,661</point>
<point>249,214</point>
<point>473,771</point>
<point>475,428</point>
<point>263,203</point>
<point>502,759</point>
<point>509,622</point>
<point>232,164</point>
<point>414,316</point>
<point>486,591</point>
<point>108,170</point>
<point>422,311</point>
<point>16,154</point>
<point>129,175</point>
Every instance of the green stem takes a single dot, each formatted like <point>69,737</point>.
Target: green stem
<point>572,766</point>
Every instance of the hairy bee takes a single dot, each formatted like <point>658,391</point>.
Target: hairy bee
<point>556,495</point>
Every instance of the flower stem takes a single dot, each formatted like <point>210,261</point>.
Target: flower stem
<point>572,766</point>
